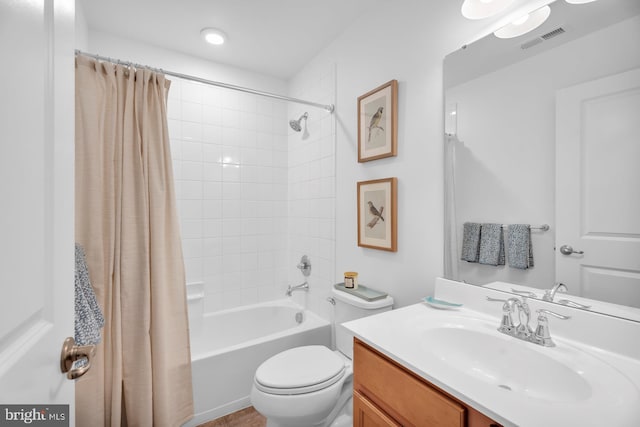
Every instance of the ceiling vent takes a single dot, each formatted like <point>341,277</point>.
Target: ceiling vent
<point>551,34</point>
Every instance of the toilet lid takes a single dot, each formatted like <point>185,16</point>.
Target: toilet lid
<point>300,370</point>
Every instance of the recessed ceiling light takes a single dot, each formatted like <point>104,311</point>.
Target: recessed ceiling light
<point>479,9</point>
<point>213,36</point>
<point>524,24</point>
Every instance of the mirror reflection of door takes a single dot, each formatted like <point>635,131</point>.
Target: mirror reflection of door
<point>597,193</point>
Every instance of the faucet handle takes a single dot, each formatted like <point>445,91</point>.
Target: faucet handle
<point>305,266</point>
<point>506,324</point>
<point>543,311</point>
<point>542,335</point>
<point>570,303</point>
<point>524,293</point>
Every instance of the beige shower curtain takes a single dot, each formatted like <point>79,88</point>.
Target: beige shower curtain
<point>126,220</point>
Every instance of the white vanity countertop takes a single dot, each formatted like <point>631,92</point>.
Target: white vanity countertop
<point>402,336</point>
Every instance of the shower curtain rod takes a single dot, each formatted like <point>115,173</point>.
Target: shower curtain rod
<point>328,107</point>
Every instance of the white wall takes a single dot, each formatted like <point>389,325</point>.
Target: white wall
<point>406,41</point>
<point>81,28</point>
<point>506,158</point>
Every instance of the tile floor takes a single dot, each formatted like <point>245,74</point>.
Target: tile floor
<point>247,417</point>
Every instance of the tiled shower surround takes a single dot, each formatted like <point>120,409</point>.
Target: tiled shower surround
<point>230,166</point>
<point>244,190</point>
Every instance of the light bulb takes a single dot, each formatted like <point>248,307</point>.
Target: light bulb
<point>213,36</point>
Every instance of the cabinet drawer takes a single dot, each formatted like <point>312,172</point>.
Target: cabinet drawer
<point>402,395</point>
<point>366,414</point>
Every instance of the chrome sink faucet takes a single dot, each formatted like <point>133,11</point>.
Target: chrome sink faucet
<point>550,294</point>
<point>506,325</point>
<point>523,331</point>
<point>302,287</point>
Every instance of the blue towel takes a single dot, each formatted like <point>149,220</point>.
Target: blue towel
<point>470,242</point>
<point>491,245</point>
<point>88,319</point>
<point>519,247</point>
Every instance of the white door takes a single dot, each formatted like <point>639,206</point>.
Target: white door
<point>36,200</point>
<point>598,188</point>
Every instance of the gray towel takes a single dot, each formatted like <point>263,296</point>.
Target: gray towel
<point>491,245</point>
<point>470,242</point>
<point>519,248</point>
<point>88,318</point>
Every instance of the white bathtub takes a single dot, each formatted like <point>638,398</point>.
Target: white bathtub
<point>228,346</point>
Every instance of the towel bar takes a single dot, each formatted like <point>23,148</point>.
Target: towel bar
<point>543,227</point>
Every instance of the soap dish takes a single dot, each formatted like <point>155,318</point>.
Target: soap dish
<point>441,304</point>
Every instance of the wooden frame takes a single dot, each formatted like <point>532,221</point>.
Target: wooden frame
<point>377,214</point>
<point>378,122</point>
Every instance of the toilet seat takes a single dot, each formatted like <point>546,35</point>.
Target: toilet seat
<point>300,370</point>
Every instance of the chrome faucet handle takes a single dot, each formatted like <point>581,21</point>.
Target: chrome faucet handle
<point>542,335</point>
<point>524,293</point>
<point>506,324</point>
<point>570,303</point>
<point>304,265</point>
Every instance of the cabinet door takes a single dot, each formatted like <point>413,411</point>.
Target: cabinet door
<point>366,414</point>
<point>477,419</point>
<point>407,398</point>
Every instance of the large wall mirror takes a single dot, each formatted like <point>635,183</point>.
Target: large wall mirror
<point>544,129</point>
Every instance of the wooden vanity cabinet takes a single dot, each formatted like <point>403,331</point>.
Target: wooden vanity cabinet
<point>387,394</point>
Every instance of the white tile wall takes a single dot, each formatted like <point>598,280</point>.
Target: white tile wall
<point>230,166</point>
<point>311,187</point>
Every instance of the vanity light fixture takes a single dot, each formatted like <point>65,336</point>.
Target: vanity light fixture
<point>579,1</point>
<point>479,9</point>
<point>213,36</point>
<point>524,24</point>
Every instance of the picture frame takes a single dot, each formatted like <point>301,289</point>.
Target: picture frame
<point>378,122</point>
<point>377,214</point>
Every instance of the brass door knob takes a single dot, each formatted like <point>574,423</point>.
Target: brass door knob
<point>71,353</point>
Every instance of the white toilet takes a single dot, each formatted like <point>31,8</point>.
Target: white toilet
<point>312,386</point>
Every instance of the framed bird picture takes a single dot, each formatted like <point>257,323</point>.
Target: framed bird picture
<point>377,214</point>
<point>377,122</point>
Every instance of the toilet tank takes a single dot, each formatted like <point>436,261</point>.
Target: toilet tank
<point>350,307</point>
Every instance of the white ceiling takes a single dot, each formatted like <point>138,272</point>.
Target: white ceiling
<point>272,37</point>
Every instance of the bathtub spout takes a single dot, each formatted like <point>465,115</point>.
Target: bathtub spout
<point>302,287</point>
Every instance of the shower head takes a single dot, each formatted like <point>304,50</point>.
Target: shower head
<point>295,124</point>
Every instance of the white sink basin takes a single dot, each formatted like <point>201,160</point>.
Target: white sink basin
<point>562,375</point>
<point>505,363</point>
